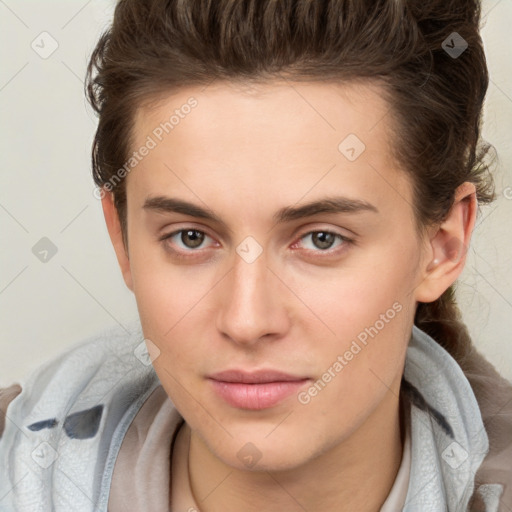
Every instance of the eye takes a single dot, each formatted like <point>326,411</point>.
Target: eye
<point>189,239</point>
<point>324,240</point>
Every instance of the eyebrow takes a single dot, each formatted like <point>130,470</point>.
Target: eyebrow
<point>331,205</point>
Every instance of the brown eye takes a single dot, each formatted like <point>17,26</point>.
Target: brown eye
<point>192,238</point>
<point>184,240</point>
<point>323,239</point>
<point>323,244</point>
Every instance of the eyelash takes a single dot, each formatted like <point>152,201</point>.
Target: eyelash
<point>187,254</point>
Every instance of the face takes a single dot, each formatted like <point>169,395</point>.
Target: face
<point>275,261</point>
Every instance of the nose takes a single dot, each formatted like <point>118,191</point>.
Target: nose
<point>252,303</point>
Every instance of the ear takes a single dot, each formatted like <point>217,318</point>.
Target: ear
<point>448,245</point>
<point>116,236</point>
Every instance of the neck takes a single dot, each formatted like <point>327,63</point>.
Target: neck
<point>356,474</point>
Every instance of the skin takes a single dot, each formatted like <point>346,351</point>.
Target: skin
<point>245,153</point>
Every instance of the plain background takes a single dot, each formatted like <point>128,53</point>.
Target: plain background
<point>46,190</point>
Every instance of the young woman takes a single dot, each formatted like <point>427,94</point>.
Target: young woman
<point>290,188</point>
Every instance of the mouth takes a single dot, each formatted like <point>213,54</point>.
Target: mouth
<point>255,390</point>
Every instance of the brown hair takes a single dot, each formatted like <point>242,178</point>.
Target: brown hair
<point>435,96</point>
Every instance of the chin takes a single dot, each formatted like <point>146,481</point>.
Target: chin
<point>259,453</point>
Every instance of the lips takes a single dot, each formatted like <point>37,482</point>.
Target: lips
<point>255,390</point>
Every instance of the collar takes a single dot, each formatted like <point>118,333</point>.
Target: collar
<point>449,440</point>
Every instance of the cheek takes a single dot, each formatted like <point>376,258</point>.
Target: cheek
<point>163,290</point>
<point>171,299</point>
<point>367,307</point>
<point>363,363</point>
<point>352,296</point>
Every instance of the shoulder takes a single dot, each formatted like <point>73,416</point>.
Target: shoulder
<point>7,395</point>
<point>72,414</point>
<point>94,365</point>
<point>492,391</point>
<point>494,396</point>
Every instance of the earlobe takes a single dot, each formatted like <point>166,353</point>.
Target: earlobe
<point>116,236</point>
<point>448,246</point>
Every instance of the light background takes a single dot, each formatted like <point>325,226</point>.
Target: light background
<point>46,190</point>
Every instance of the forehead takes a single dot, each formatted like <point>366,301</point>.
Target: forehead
<point>310,111</point>
<point>274,139</point>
